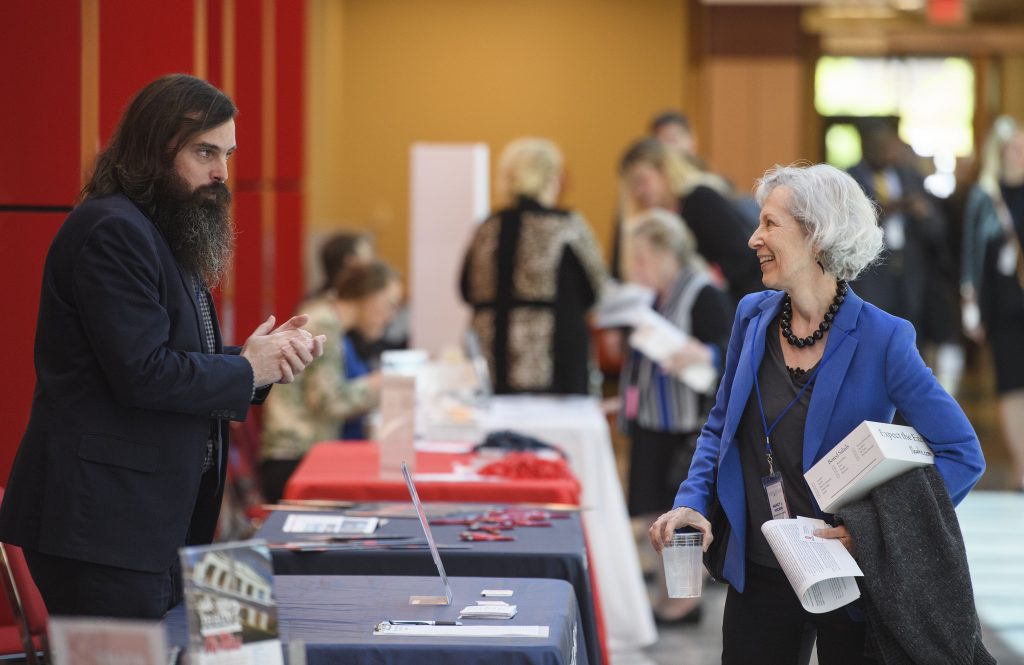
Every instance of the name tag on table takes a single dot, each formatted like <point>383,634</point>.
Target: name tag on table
<point>384,628</point>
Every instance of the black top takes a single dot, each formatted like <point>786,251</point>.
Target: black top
<point>722,235</point>
<point>516,325</point>
<point>777,391</point>
<point>722,232</point>
<point>1014,198</point>
<point>1001,295</point>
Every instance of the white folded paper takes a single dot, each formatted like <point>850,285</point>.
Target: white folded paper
<point>488,612</point>
<point>622,304</point>
<point>332,524</point>
<point>656,338</point>
<point>461,631</point>
<point>820,570</point>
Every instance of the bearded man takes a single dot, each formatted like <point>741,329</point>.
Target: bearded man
<point>124,457</point>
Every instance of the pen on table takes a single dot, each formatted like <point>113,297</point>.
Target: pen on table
<point>422,622</point>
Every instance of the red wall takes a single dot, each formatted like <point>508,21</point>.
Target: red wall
<point>38,180</point>
<point>40,165</point>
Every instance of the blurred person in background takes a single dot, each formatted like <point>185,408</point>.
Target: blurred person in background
<point>808,361</point>
<point>531,273</point>
<point>659,412</point>
<point>911,225</point>
<point>993,277</point>
<point>673,129</point>
<point>331,399</point>
<point>653,176</point>
<point>337,253</point>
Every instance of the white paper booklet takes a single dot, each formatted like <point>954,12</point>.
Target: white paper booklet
<point>622,305</point>
<point>821,571</point>
<point>656,338</point>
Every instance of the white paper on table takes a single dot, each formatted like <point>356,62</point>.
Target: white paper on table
<point>820,570</point>
<point>505,611</point>
<point>622,305</point>
<point>461,631</point>
<point>445,447</point>
<point>455,477</point>
<point>658,339</point>
<point>332,524</point>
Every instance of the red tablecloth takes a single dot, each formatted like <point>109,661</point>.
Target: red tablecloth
<point>350,471</point>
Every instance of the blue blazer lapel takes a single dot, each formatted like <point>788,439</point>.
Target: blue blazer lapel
<point>839,351</point>
<point>751,355</point>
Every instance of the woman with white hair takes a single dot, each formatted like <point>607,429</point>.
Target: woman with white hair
<point>531,273</point>
<point>993,276</point>
<point>807,362</point>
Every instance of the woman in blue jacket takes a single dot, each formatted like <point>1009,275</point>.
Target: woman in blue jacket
<point>808,361</point>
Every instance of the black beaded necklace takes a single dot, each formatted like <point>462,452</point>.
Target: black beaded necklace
<point>787,319</point>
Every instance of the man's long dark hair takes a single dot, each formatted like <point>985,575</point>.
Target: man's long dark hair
<point>161,120</point>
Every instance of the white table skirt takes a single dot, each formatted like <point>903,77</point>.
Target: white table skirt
<point>577,426</point>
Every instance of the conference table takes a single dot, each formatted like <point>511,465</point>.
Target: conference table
<point>350,471</point>
<point>578,427</point>
<point>555,552</point>
<point>334,618</point>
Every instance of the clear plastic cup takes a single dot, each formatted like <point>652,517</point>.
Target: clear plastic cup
<point>684,568</point>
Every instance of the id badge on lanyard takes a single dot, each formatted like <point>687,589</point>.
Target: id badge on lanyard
<point>773,487</point>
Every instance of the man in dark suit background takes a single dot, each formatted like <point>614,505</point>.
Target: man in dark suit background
<point>913,226</point>
<point>124,457</point>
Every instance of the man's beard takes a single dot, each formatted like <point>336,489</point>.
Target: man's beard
<point>196,225</point>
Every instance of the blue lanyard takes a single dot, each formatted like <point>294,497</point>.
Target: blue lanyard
<point>760,404</point>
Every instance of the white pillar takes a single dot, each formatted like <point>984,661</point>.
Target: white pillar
<point>450,194</point>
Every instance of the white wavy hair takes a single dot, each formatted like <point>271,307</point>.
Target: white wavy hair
<point>840,220</point>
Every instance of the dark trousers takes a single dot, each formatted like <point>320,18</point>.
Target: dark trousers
<point>658,462</point>
<point>71,587</point>
<point>274,475</point>
<point>77,588</point>
<point>767,625</point>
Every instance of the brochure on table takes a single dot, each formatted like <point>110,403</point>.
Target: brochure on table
<point>229,602</point>
<point>334,525</point>
<point>82,641</point>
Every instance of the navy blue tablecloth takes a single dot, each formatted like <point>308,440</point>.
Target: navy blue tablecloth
<point>334,616</point>
<point>557,552</point>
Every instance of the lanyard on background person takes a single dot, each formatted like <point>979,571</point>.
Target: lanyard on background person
<point>773,481</point>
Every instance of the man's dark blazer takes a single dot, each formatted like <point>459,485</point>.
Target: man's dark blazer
<point>109,467</point>
<point>900,287</point>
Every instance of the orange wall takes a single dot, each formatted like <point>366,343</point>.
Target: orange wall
<point>587,74</point>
